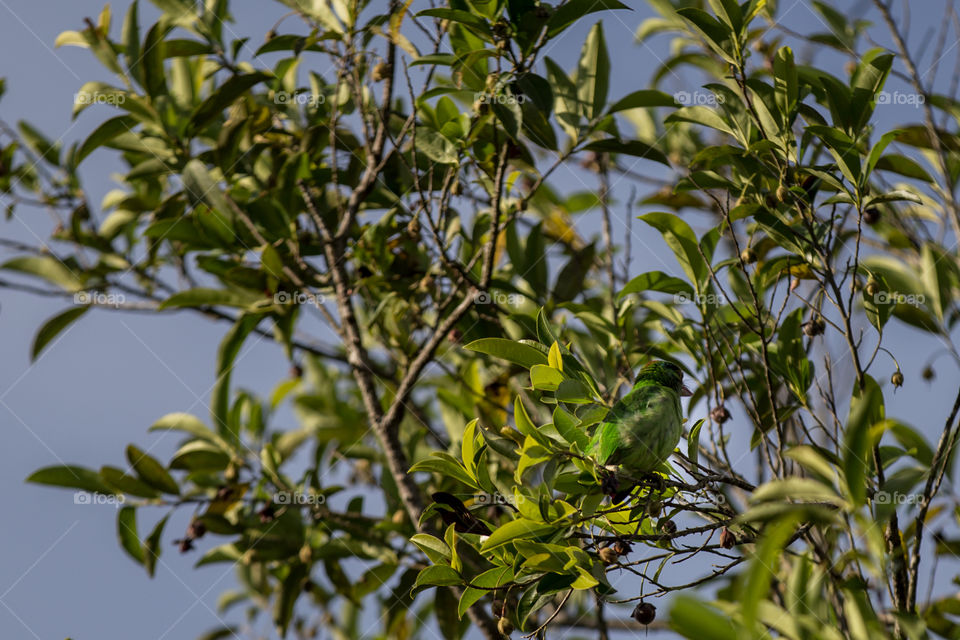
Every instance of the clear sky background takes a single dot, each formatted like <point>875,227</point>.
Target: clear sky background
<point>107,379</point>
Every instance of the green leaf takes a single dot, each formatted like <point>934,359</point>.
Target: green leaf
<point>435,146</point>
<point>545,378</point>
<point>760,574</point>
<point>866,409</point>
<point>715,34</point>
<point>643,98</point>
<point>199,456</point>
<point>152,548</point>
<point>131,41</point>
<point>438,576</point>
<point>570,12</point>
<point>290,589</point>
<point>53,327</point>
<point>104,134</point>
<point>478,24</point>
<point>200,186</point>
<point>226,356</point>
<point>127,533</point>
<point>151,471</point>
<point>70,476</point>
<point>120,481</point>
<point>496,577</point>
<point>520,528</point>
<point>45,149</point>
<point>566,104</point>
<point>48,268</point>
<point>435,548</point>
<point>702,116</point>
<point>186,423</point>
<point>694,619</point>
<point>446,467</point>
<point>634,148</point>
<point>656,281</point>
<point>201,297</point>
<point>225,95</point>
<point>515,352</point>
<point>693,442</point>
<point>681,239</point>
<point>593,73</point>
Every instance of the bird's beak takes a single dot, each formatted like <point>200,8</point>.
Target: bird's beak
<point>684,391</point>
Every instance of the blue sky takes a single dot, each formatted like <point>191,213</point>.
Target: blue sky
<point>106,380</point>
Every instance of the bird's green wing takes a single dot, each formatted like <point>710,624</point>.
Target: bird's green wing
<point>605,441</point>
<point>640,430</point>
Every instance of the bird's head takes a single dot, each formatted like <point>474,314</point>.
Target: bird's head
<point>665,374</point>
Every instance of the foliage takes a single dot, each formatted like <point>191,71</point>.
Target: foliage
<point>406,205</point>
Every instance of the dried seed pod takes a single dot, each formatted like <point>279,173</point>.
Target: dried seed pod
<point>504,626</point>
<point>720,414</point>
<point>928,373</point>
<point>608,555</point>
<point>622,547</point>
<point>814,327</point>
<point>644,613</point>
<point>196,529</point>
<point>897,378</point>
<point>380,72</point>
<point>727,539</point>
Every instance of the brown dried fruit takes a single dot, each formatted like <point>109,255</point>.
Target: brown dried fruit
<point>622,547</point>
<point>871,215</point>
<point>727,539</point>
<point>608,555</point>
<point>504,626</point>
<point>720,414</point>
<point>815,327</point>
<point>380,72</point>
<point>644,613</point>
<point>196,529</point>
<point>897,379</point>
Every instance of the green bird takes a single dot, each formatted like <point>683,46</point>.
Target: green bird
<point>643,428</point>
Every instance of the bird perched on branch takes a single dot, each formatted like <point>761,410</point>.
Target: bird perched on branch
<point>643,428</point>
<point>458,515</point>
